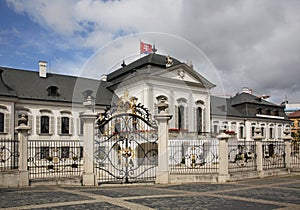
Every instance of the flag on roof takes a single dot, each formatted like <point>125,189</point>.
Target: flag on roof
<point>145,48</point>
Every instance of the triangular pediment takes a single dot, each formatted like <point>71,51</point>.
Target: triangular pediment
<point>184,73</point>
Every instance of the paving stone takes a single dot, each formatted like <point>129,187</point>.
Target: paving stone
<point>271,194</point>
<point>87,206</point>
<point>199,187</point>
<point>201,202</point>
<point>130,192</point>
<point>21,198</point>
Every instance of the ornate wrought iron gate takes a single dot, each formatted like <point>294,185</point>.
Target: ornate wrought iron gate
<point>126,143</point>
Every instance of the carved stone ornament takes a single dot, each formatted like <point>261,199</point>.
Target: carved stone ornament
<point>169,61</point>
<point>126,103</point>
<point>181,74</point>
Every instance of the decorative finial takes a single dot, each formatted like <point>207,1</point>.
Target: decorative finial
<point>123,64</point>
<point>154,50</point>
<point>162,103</point>
<point>169,61</point>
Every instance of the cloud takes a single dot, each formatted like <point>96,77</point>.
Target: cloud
<point>251,43</point>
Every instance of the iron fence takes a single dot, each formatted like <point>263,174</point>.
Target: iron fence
<point>54,158</point>
<point>193,156</point>
<point>9,154</point>
<point>241,156</point>
<point>273,155</point>
<point>295,154</point>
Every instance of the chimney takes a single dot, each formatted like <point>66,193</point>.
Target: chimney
<point>104,77</point>
<point>247,90</point>
<point>43,69</point>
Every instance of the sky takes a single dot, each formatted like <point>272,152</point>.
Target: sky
<point>233,43</point>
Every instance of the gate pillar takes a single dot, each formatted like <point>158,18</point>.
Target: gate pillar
<point>288,150</point>
<point>223,157</point>
<point>88,117</point>
<point>162,173</point>
<point>23,152</point>
<point>259,151</point>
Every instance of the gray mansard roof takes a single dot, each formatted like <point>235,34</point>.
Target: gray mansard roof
<point>245,105</point>
<point>24,84</point>
<point>151,64</point>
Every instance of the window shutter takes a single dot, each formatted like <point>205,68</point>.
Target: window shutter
<point>176,116</point>
<point>7,123</point>
<point>59,125</point>
<point>71,126</point>
<point>38,124</point>
<point>51,125</point>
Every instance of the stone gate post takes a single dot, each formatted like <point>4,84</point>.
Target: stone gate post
<point>162,173</point>
<point>259,152</point>
<point>89,117</point>
<point>223,157</point>
<point>23,151</point>
<point>288,149</point>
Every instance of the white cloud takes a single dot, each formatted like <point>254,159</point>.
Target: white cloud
<point>252,43</point>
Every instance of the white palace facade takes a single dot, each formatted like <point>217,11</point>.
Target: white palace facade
<point>53,102</point>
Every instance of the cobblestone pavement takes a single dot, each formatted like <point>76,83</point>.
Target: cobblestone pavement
<point>268,193</point>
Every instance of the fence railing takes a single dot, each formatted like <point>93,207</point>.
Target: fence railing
<point>241,156</point>
<point>193,156</point>
<point>295,155</point>
<point>273,155</point>
<point>8,154</point>
<point>51,159</point>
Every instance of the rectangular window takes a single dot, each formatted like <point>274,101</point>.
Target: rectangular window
<point>241,132</point>
<point>44,153</point>
<point>65,152</point>
<point>1,122</point>
<point>81,126</point>
<point>279,133</point>
<point>65,125</point>
<point>252,131</point>
<point>81,152</point>
<point>215,128</point>
<point>44,124</point>
<point>262,131</point>
<point>271,133</point>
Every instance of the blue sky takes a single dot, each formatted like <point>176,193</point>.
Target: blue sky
<point>249,43</point>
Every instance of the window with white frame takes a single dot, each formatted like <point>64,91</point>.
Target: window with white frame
<point>182,114</point>
<point>1,122</point>
<point>271,131</point>
<point>253,125</point>
<point>233,126</point>
<point>45,123</point>
<point>241,131</point>
<point>263,130</point>
<point>199,120</point>
<point>279,130</point>
<point>65,123</point>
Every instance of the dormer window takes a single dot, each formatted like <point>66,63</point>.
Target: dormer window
<point>268,112</point>
<point>52,91</point>
<point>258,111</point>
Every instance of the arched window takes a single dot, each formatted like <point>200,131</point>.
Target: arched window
<point>199,120</point>
<point>180,117</point>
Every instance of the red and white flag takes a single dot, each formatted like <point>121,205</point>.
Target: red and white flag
<point>145,48</point>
